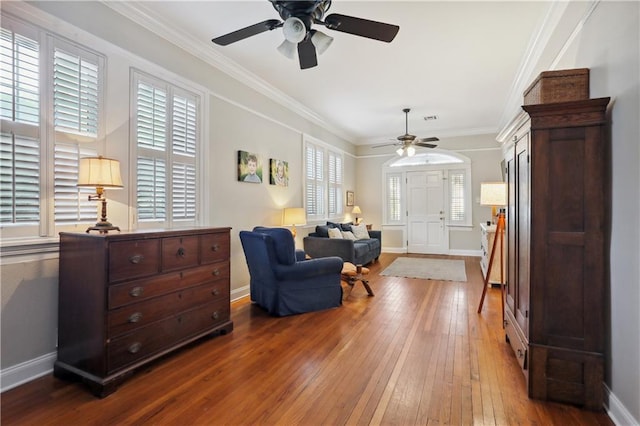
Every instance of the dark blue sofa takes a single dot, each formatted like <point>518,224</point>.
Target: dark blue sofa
<point>282,281</point>
<point>358,252</point>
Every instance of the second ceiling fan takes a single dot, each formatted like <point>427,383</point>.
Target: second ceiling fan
<point>407,142</point>
<point>297,18</point>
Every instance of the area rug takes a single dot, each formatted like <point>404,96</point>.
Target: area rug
<point>428,269</point>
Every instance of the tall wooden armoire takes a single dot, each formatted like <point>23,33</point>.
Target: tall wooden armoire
<point>558,186</point>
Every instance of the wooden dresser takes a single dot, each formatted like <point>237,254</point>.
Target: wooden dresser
<point>128,298</point>
<point>557,260</point>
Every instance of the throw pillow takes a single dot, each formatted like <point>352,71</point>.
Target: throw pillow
<point>360,232</point>
<point>335,233</point>
<point>348,235</point>
<point>346,226</point>
<point>322,231</point>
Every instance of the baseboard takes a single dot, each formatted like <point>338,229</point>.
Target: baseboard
<point>474,253</point>
<point>239,293</point>
<point>27,371</point>
<point>617,412</point>
<point>394,250</point>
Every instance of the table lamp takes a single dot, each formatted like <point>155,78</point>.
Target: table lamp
<point>356,211</point>
<point>294,216</point>
<point>101,173</point>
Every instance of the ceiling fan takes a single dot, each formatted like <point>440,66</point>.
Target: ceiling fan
<point>407,142</point>
<point>297,18</point>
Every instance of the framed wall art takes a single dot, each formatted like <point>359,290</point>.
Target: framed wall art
<point>278,172</point>
<point>249,167</point>
<point>351,198</point>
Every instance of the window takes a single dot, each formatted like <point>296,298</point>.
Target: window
<point>166,147</point>
<point>324,195</point>
<point>394,198</point>
<point>457,197</point>
<point>40,145</point>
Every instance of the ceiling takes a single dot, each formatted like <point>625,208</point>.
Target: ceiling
<point>459,61</point>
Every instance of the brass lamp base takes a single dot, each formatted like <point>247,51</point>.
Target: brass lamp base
<point>103,227</point>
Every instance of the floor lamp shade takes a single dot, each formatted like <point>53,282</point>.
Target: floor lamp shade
<point>493,194</point>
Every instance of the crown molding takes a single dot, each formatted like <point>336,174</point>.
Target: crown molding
<point>145,17</point>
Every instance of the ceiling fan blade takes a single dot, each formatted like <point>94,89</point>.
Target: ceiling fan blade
<point>307,54</point>
<point>249,31</point>
<point>431,139</point>
<point>384,144</point>
<point>425,144</point>
<point>361,27</point>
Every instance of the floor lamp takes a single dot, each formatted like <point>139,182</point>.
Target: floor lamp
<point>495,194</point>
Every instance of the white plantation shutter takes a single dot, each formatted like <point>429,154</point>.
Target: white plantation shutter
<point>19,79</point>
<point>20,138</point>
<point>184,126</point>
<point>76,110</point>
<point>151,189</point>
<point>314,192</point>
<point>184,191</point>
<point>166,129</point>
<point>151,109</point>
<point>457,204</point>
<point>70,201</point>
<point>75,93</point>
<point>19,179</point>
<point>394,198</point>
<point>335,202</point>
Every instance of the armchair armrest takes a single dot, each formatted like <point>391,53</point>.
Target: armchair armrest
<point>309,268</point>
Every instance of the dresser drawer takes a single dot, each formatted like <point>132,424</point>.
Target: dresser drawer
<point>150,340</point>
<point>179,252</point>
<point>133,259</point>
<point>131,317</point>
<point>214,247</point>
<point>137,291</point>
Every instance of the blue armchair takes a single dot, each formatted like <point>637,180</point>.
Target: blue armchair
<point>283,282</point>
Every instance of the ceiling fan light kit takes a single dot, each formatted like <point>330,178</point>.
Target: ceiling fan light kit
<point>297,17</point>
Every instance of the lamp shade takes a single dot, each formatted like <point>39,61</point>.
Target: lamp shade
<point>99,171</point>
<point>321,41</point>
<point>294,216</point>
<point>294,29</point>
<point>356,210</point>
<point>493,194</point>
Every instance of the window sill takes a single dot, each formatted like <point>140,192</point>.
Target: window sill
<point>15,250</point>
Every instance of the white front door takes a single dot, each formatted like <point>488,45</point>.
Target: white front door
<point>425,213</point>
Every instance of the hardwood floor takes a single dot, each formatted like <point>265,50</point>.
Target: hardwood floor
<point>416,353</point>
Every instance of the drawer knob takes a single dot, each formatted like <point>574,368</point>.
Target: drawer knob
<point>135,259</point>
<point>215,315</point>
<point>520,353</point>
<point>135,317</point>
<point>216,272</point>
<point>215,247</point>
<point>136,291</point>
<point>215,292</point>
<point>135,347</point>
<point>180,252</point>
